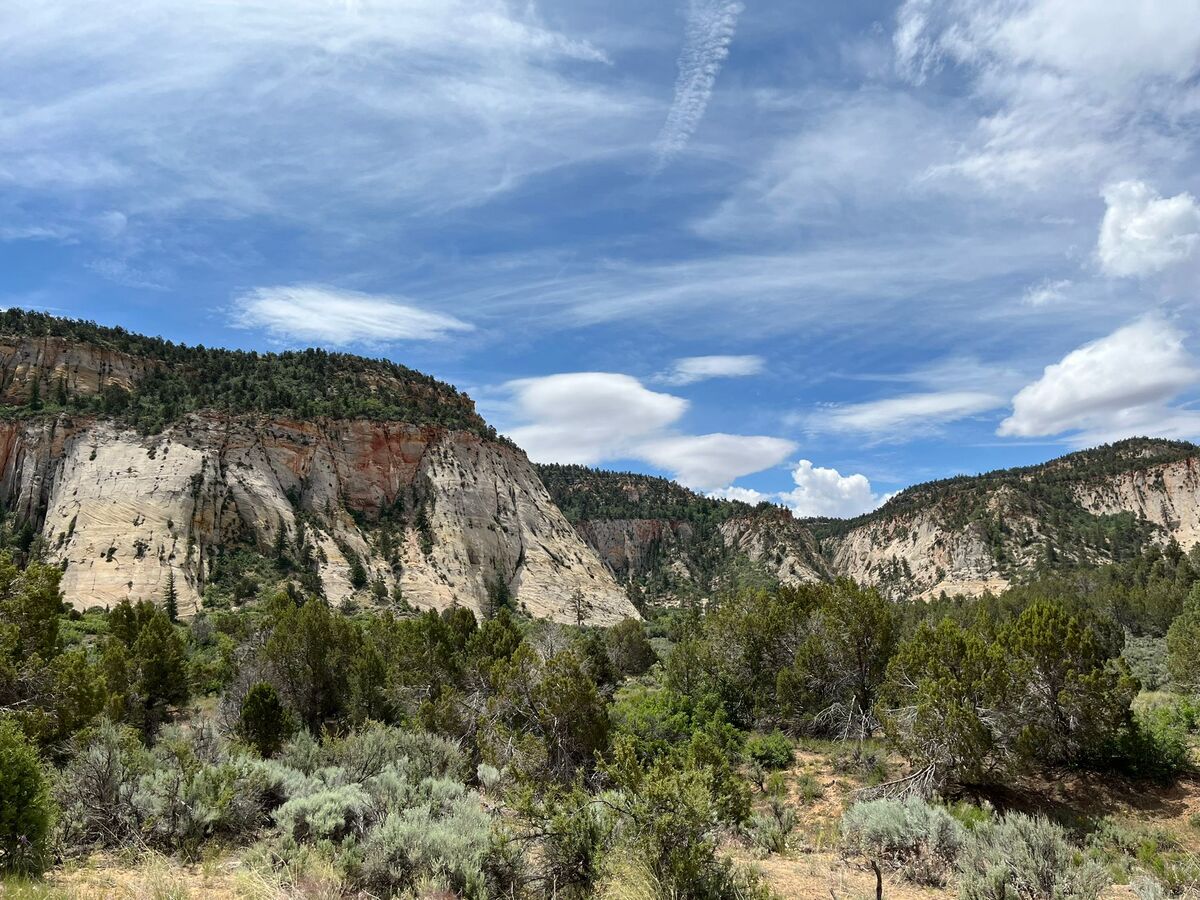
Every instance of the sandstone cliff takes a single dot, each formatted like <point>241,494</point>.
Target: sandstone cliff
<point>120,510</point>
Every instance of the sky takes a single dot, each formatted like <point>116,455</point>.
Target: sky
<point>809,253</point>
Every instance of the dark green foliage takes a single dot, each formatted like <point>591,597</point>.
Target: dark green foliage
<point>583,493</point>
<point>300,384</point>
<point>771,751</point>
<point>145,665</point>
<point>1049,689</point>
<point>312,655</point>
<point>171,598</point>
<point>264,722</point>
<point>1183,648</point>
<point>629,649</point>
<point>25,806</point>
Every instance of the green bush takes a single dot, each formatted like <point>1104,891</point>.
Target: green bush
<point>264,723</point>
<point>771,751</point>
<point>96,791</point>
<point>1154,744</point>
<point>915,838</point>
<point>1017,856</point>
<point>439,835</point>
<point>25,805</point>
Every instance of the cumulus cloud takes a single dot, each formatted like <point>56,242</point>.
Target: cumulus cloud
<point>592,417</point>
<point>313,314</point>
<point>827,492</point>
<point>1143,232</point>
<point>744,494</point>
<point>691,369</point>
<point>904,415</point>
<point>710,28</point>
<point>707,461</point>
<point>1118,386</point>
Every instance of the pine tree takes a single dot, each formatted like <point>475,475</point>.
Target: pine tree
<point>171,598</point>
<point>35,394</point>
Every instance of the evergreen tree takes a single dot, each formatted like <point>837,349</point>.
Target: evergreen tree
<point>171,598</point>
<point>264,722</point>
<point>25,810</point>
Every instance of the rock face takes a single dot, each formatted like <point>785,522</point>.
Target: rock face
<point>1166,495</point>
<point>916,552</point>
<point>58,364</point>
<point>120,511</point>
<point>780,545</point>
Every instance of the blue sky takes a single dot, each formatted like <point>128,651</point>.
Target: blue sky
<point>804,252</point>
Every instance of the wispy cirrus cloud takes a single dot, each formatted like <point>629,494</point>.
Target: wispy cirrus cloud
<point>710,28</point>
<point>313,314</point>
<point>691,369</point>
<point>903,416</point>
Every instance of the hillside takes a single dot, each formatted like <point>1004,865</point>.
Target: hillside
<point>967,534</point>
<point>134,463</point>
<point>666,542</point>
<point>49,363</point>
<point>970,534</point>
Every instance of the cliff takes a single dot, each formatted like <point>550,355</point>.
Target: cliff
<point>369,509</point>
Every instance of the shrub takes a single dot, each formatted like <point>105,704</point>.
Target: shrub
<point>331,813</point>
<point>369,750</point>
<point>771,829</point>
<point>264,722</point>
<point>771,751</point>
<point>629,649</point>
<point>96,790</point>
<point>25,806</point>
<point>422,845</point>
<point>1017,856</point>
<point>1153,745</point>
<point>917,839</point>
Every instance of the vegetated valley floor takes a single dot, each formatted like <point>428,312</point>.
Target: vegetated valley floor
<point>821,788</point>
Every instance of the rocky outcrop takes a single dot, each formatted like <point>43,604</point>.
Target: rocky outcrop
<point>56,364</point>
<point>1165,495</point>
<point>631,547</point>
<point>120,511</point>
<point>777,543</point>
<point>916,553</point>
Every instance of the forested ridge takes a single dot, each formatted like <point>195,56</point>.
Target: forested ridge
<point>299,384</point>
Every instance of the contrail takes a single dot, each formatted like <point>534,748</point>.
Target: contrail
<point>710,28</point>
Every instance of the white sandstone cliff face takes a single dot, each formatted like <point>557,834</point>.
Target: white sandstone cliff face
<point>916,550</point>
<point>784,548</point>
<point>1167,495</point>
<point>121,510</point>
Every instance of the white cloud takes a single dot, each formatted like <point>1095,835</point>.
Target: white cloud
<point>314,314</point>
<point>1118,386</point>
<point>904,414</point>
<point>743,494</point>
<point>710,29</point>
<point>592,417</point>
<point>1143,233</point>
<point>707,461</point>
<point>827,492</point>
<point>312,111</point>
<point>1046,292</point>
<point>587,417</point>
<point>691,369</point>
<point>1071,90</point>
